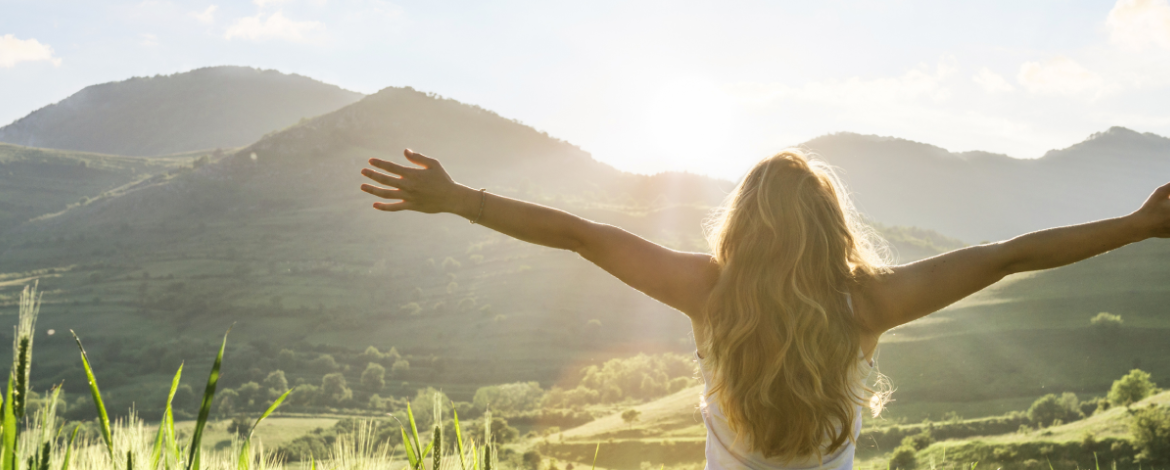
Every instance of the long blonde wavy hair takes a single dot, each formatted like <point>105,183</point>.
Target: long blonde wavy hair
<point>781,341</point>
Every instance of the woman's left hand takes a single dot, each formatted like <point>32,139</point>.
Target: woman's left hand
<point>428,189</point>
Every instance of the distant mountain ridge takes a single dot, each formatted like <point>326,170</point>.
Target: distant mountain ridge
<point>983,196</point>
<point>201,109</point>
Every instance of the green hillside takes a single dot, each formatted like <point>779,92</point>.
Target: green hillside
<point>36,182</point>
<point>205,108</point>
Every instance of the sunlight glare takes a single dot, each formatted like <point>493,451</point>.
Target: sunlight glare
<point>689,123</point>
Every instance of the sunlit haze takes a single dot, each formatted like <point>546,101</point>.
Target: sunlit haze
<point>652,86</point>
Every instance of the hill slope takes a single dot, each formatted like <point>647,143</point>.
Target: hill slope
<point>36,182</point>
<point>981,196</point>
<point>164,114</point>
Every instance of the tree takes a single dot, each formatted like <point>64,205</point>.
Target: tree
<point>324,364</point>
<point>509,398</point>
<point>240,426</point>
<point>400,366</point>
<point>1150,429</point>
<point>1131,388</point>
<point>531,460</point>
<point>275,383</point>
<point>227,401</point>
<point>374,377</point>
<point>630,416</point>
<point>334,389</point>
<point>1106,321</point>
<point>371,355</point>
<point>1050,408</point>
<point>250,395</point>
<point>287,359</point>
<point>904,458</point>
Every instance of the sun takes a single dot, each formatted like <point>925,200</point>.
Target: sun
<point>688,123</point>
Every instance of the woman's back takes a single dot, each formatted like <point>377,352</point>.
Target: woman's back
<point>726,450</point>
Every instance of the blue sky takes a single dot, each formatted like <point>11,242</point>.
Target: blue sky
<point>649,86</point>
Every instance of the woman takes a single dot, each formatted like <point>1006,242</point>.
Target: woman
<point>788,309</point>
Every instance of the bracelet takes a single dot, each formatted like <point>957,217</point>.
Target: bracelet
<point>482,201</point>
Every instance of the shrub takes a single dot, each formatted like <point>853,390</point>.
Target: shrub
<point>400,366</point>
<point>275,383</point>
<point>531,460</point>
<point>630,416</point>
<point>1049,409</point>
<point>240,426</point>
<point>1133,387</point>
<point>1150,430</point>
<point>1106,321</point>
<point>509,398</point>
<point>334,389</point>
<point>324,364</point>
<point>903,458</point>
<point>374,377</point>
<point>412,308</point>
<point>918,441</point>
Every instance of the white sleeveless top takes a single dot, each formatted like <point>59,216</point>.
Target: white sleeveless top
<point>725,452</point>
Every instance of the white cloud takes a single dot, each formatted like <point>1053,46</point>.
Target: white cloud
<point>920,82</point>
<point>1139,23</point>
<point>148,40</point>
<point>13,51</point>
<point>1060,76</point>
<point>992,82</point>
<point>275,26</point>
<point>264,3</point>
<point>207,16</point>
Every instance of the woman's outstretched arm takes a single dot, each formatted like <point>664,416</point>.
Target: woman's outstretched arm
<point>680,280</point>
<point>917,289</point>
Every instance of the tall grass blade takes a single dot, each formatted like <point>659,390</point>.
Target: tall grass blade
<point>69,449</point>
<point>156,452</point>
<point>48,416</point>
<point>129,460</point>
<point>46,454</point>
<point>22,342</point>
<point>458,439</point>
<point>103,418</point>
<point>596,452</point>
<point>246,448</point>
<point>437,446</point>
<point>205,408</point>
<point>414,433</point>
<point>410,458</point>
<point>487,440</point>
<point>437,440</point>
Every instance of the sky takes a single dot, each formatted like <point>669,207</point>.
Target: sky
<point>648,86</point>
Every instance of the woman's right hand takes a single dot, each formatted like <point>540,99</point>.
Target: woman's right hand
<point>428,189</point>
<point>1153,217</point>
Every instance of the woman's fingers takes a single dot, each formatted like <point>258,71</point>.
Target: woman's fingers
<point>393,206</point>
<point>385,193</point>
<point>420,159</point>
<point>392,167</point>
<point>383,178</point>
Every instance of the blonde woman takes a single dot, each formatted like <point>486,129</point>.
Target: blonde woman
<point>788,308</point>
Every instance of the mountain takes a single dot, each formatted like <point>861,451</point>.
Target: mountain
<point>979,196</point>
<point>201,109</point>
